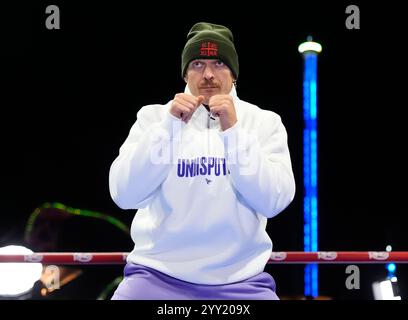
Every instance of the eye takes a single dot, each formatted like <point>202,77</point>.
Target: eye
<point>219,63</point>
<point>197,64</point>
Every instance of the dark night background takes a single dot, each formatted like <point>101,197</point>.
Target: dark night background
<point>70,96</point>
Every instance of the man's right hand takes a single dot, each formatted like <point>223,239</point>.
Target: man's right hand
<point>184,105</point>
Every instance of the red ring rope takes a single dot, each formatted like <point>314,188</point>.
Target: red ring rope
<point>295,257</point>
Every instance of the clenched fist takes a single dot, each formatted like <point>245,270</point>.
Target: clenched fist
<point>184,105</point>
<point>222,105</point>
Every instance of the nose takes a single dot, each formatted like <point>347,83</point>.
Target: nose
<point>208,74</point>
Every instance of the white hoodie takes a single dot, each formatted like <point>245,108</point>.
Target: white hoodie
<point>203,195</point>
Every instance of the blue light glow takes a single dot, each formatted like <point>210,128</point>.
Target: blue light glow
<point>391,267</point>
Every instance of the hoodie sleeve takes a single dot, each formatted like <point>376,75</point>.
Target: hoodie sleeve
<point>144,158</point>
<point>260,166</point>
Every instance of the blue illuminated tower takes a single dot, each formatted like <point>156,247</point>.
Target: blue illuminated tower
<point>310,50</point>
<point>391,267</point>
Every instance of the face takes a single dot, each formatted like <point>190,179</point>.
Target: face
<point>208,77</point>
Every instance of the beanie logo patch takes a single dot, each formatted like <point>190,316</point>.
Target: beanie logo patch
<point>209,49</point>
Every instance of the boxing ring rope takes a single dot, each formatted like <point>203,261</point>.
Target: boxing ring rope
<point>284,257</point>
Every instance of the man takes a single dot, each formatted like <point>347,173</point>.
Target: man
<point>205,170</point>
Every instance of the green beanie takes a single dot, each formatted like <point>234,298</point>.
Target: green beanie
<point>210,41</point>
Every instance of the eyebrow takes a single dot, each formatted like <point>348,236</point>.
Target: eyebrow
<point>206,60</point>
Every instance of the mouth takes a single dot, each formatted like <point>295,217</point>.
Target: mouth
<point>208,88</point>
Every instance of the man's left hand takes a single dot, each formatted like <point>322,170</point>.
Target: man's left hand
<point>222,105</point>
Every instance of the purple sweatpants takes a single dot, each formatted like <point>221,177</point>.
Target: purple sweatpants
<point>143,283</point>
